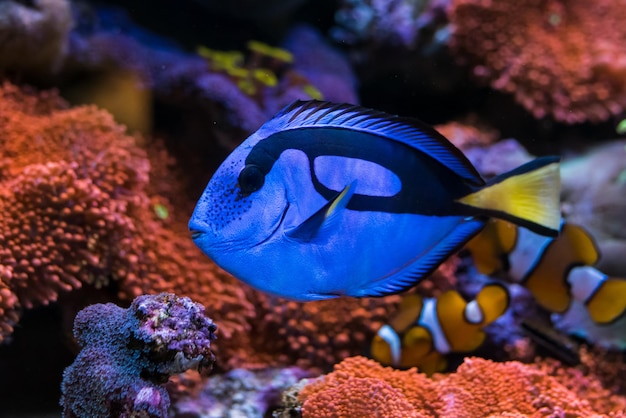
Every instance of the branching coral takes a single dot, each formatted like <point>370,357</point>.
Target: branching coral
<point>128,354</point>
<point>478,388</point>
<point>563,59</point>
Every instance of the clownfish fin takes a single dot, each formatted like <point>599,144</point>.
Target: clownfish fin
<point>608,303</point>
<point>493,300</point>
<point>320,223</point>
<point>386,347</point>
<point>409,312</point>
<point>603,296</point>
<point>416,344</point>
<point>490,246</point>
<point>527,196</point>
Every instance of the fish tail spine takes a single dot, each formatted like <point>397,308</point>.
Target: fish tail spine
<point>527,196</point>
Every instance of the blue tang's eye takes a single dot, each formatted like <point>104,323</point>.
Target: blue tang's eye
<point>250,179</point>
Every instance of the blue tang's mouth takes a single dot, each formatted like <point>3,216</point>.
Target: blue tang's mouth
<point>195,234</point>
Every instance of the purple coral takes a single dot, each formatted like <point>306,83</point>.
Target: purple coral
<point>128,354</point>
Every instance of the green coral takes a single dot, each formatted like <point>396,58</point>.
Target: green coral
<point>261,69</point>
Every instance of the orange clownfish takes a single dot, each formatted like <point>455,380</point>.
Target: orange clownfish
<point>426,329</point>
<point>560,274</point>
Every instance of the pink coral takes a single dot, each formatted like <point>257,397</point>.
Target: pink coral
<point>557,58</point>
<point>478,388</point>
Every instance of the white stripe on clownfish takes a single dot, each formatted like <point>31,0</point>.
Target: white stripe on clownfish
<point>442,325</point>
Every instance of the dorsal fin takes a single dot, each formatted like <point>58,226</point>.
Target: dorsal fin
<point>417,135</point>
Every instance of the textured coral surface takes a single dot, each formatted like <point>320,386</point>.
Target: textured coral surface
<point>128,354</point>
<point>558,58</point>
<point>479,388</point>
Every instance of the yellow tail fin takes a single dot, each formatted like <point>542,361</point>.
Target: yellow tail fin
<point>527,196</point>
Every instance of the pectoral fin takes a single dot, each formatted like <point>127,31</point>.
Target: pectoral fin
<point>321,222</point>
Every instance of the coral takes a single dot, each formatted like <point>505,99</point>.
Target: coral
<point>239,393</point>
<point>78,208</point>
<point>128,354</point>
<point>266,74</point>
<point>238,90</point>
<point>360,397</point>
<point>322,332</point>
<point>401,388</point>
<point>608,366</point>
<point>466,136</point>
<point>33,36</point>
<point>478,388</point>
<point>60,230</point>
<point>588,381</point>
<point>387,22</point>
<point>562,59</point>
<point>9,310</point>
<point>65,222</point>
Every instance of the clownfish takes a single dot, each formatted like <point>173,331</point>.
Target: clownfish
<point>557,271</point>
<point>425,330</point>
<point>328,200</point>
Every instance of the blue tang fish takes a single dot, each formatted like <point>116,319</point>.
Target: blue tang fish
<point>328,200</point>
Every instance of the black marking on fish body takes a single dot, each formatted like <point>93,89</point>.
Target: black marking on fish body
<point>428,187</point>
<point>408,131</point>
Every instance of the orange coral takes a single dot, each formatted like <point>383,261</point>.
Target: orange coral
<point>59,230</point>
<point>69,178</point>
<point>593,390</point>
<point>559,58</point>
<point>416,388</point>
<point>360,397</point>
<point>478,388</point>
<point>78,209</point>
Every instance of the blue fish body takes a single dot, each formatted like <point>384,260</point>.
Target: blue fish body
<point>329,200</point>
